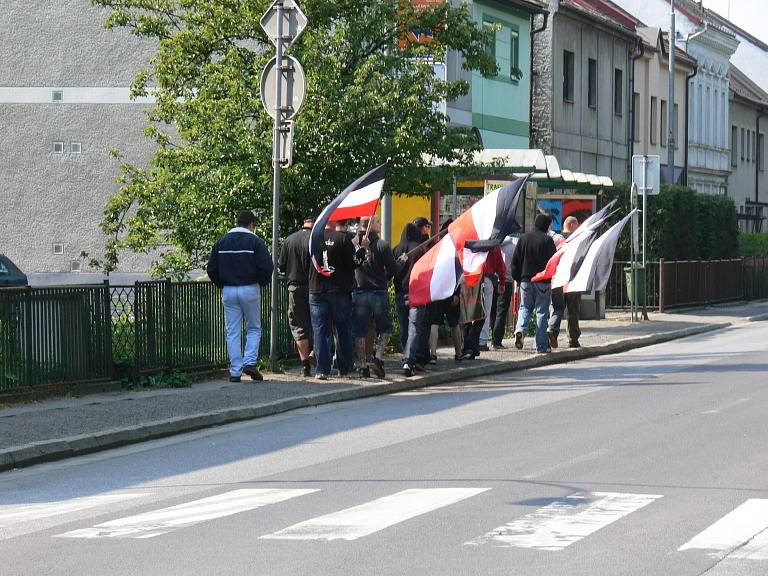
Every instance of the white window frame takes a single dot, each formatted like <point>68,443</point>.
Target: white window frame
<point>76,147</point>
<point>56,145</point>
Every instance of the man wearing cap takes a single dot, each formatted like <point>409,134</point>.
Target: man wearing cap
<point>294,264</point>
<point>531,255</point>
<point>240,264</point>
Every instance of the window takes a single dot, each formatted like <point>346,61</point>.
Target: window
<point>568,70</point>
<point>592,86</point>
<point>749,145</point>
<point>505,47</point>
<point>618,92</point>
<point>742,144</point>
<point>57,96</point>
<point>754,146</point>
<point>58,147</point>
<point>58,248</point>
<point>761,152</point>
<point>75,266</point>
<point>663,124</point>
<point>636,117</point>
<point>674,127</point>
<point>75,147</point>
<point>654,123</point>
<point>734,146</point>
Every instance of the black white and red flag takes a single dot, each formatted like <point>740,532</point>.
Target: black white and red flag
<point>461,253</point>
<point>361,198</point>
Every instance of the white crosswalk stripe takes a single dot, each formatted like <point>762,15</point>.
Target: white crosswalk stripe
<point>743,531</point>
<point>11,514</point>
<point>151,524</point>
<point>376,515</point>
<point>563,522</point>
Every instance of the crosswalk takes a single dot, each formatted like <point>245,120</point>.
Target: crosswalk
<point>741,533</point>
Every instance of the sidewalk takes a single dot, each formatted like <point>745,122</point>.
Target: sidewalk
<point>60,428</point>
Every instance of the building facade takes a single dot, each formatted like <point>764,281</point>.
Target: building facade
<point>499,106</point>
<point>650,100</point>
<point>712,46</point>
<point>64,104</point>
<point>749,118</point>
<point>581,88</point>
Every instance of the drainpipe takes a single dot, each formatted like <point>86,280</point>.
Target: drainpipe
<point>760,153</point>
<point>534,74</point>
<point>687,110</point>
<point>636,53</point>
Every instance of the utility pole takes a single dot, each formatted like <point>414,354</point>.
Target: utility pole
<point>671,101</point>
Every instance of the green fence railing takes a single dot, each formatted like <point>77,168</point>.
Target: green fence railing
<point>63,335</point>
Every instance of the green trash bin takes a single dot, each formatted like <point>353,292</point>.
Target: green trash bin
<point>640,275</point>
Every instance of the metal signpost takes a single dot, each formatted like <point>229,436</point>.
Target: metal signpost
<point>646,180</point>
<point>282,93</point>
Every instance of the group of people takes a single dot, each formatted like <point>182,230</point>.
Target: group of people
<point>343,320</point>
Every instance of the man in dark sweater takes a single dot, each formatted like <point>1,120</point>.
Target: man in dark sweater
<point>240,264</point>
<point>370,298</point>
<point>294,264</point>
<point>533,251</point>
<point>330,303</point>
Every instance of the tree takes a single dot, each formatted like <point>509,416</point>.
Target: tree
<point>370,97</point>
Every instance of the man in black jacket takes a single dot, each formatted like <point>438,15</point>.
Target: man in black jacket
<point>370,298</point>
<point>533,251</point>
<point>240,264</point>
<point>294,264</point>
<point>330,302</point>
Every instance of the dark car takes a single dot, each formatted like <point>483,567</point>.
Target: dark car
<point>10,275</point>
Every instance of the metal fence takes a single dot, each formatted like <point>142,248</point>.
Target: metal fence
<point>89,333</point>
<point>694,282</point>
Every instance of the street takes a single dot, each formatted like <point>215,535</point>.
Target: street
<point>651,462</point>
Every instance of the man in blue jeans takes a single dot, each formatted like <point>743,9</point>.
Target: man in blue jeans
<point>531,254</point>
<point>330,302</point>
<point>240,264</point>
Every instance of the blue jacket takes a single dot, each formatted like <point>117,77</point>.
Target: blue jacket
<point>240,258</point>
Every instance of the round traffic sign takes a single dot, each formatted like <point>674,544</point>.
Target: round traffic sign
<point>292,86</point>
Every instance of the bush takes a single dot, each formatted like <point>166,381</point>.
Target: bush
<point>753,244</point>
<point>682,224</point>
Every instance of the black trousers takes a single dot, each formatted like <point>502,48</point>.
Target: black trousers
<point>502,310</point>
<point>573,305</point>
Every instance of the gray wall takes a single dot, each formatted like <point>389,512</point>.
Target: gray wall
<point>583,139</point>
<point>48,197</point>
<point>741,181</point>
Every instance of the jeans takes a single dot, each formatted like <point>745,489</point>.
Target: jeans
<point>367,303</point>
<point>489,291</point>
<point>558,311</point>
<point>502,310</point>
<point>332,312</point>
<point>417,347</point>
<point>239,302</point>
<point>535,296</point>
<point>402,317</point>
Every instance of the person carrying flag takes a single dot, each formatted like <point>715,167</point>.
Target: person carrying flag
<point>560,301</point>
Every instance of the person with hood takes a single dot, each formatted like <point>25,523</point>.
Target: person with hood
<point>531,255</point>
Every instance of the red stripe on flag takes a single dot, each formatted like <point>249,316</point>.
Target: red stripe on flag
<point>419,289</point>
<point>349,212</point>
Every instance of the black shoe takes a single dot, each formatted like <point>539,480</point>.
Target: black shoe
<point>253,372</point>
<point>519,340</point>
<point>468,355</point>
<point>234,378</point>
<point>341,374</point>
<point>378,367</point>
<point>433,359</point>
<point>498,346</point>
<point>418,367</point>
<point>306,368</point>
<point>484,348</point>
<point>574,344</point>
<point>458,358</point>
<point>407,370</point>
<point>364,372</point>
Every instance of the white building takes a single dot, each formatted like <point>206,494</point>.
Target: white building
<point>708,104</point>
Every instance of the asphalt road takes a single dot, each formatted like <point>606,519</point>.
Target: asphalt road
<point>652,462</point>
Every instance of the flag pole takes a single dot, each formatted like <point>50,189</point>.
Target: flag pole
<point>370,220</point>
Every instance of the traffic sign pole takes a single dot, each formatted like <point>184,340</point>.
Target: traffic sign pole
<point>278,6</point>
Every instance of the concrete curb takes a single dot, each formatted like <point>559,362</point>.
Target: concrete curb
<point>758,318</point>
<point>57,449</point>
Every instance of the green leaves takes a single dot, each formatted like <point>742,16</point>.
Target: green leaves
<point>370,97</point>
